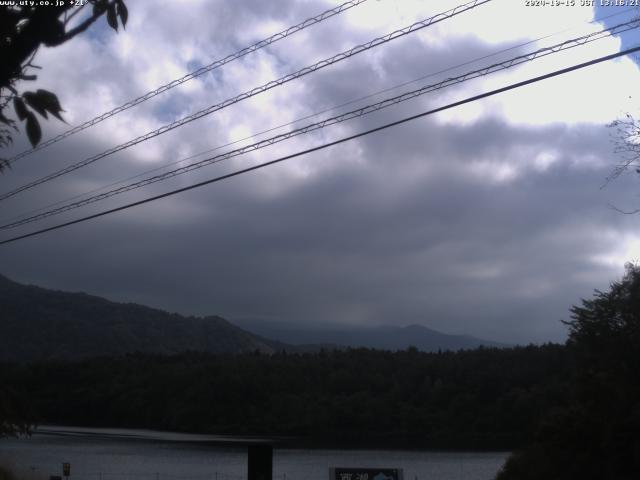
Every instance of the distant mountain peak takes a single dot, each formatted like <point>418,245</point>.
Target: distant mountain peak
<point>386,337</point>
<point>418,327</point>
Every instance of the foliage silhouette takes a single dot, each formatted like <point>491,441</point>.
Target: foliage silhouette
<point>23,29</point>
<point>475,399</point>
<point>596,433</point>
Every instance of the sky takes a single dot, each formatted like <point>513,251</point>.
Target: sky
<point>489,219</point>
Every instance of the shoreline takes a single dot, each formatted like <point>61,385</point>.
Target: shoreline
<point>346,442</point>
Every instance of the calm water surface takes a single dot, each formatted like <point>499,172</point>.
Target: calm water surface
<point>115,455</point>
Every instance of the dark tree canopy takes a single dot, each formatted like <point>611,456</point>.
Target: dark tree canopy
<point>23,30</point>
<point>597,434</point>
<point>476,399</point>
<point>577,405</point>
<point>15,415</point>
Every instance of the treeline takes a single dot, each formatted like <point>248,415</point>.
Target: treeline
<point>594,434</point>
<point>476,399</point>
<point>571,411</point>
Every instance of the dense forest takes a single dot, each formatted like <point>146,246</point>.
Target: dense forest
<point>479,399</point>
<point>569,411</point>
<point>594,433</point>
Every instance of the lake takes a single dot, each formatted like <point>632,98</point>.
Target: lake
<point>110,454</point>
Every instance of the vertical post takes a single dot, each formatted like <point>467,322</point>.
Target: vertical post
<point>260,462</point>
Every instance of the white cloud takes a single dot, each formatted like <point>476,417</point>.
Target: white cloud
<point>626,248</point>
<point>482,208</point>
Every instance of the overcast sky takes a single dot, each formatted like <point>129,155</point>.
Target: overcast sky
<point>488,219</point>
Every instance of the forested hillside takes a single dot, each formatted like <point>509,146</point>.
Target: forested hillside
<point>572,408</point>
<point>481,399</point>
<point>41,324</point>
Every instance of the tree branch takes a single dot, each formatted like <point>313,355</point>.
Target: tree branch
<point>78,10</point>
<point>630,212</point>
<point>84,25</point>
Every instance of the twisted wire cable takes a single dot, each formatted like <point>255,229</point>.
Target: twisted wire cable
<point>329,144</point>
<point>272,129</point>
<point>540,53</point>
<point>196,73</point>
<point>255,91</point>
<point>306,117</point>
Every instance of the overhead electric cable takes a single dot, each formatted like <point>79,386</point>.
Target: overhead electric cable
<point>330,144</point>
<point>306,117</point>
<point>277,127</point>
<point>196,73</point>
<point>49,206</point>
<point>255,91</point>
<point>540,53</point>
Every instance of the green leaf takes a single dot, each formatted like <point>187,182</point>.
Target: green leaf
<point>34,101</point>
<point>99,6</point>
<point>50,102</point>
<point>123,12</point>
<point>20,108</point>
<point>43,101</point>
<point>34,133</point>
<point>112,17</point>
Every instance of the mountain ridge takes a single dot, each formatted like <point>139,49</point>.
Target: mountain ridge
<point>386,337</point>
<point>39,324</point>
<point>43,324</point>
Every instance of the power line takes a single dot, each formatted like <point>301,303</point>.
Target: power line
<point>196,73</point>
<point>566,45</point>
<point>255,91</point>
<point>330,144</point>
<point>282,125</point>
<point>306,117</point>
<point>312,115</point>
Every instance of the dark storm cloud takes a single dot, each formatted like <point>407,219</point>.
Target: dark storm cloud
<point>361,244</point>
<point>488,227</point>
